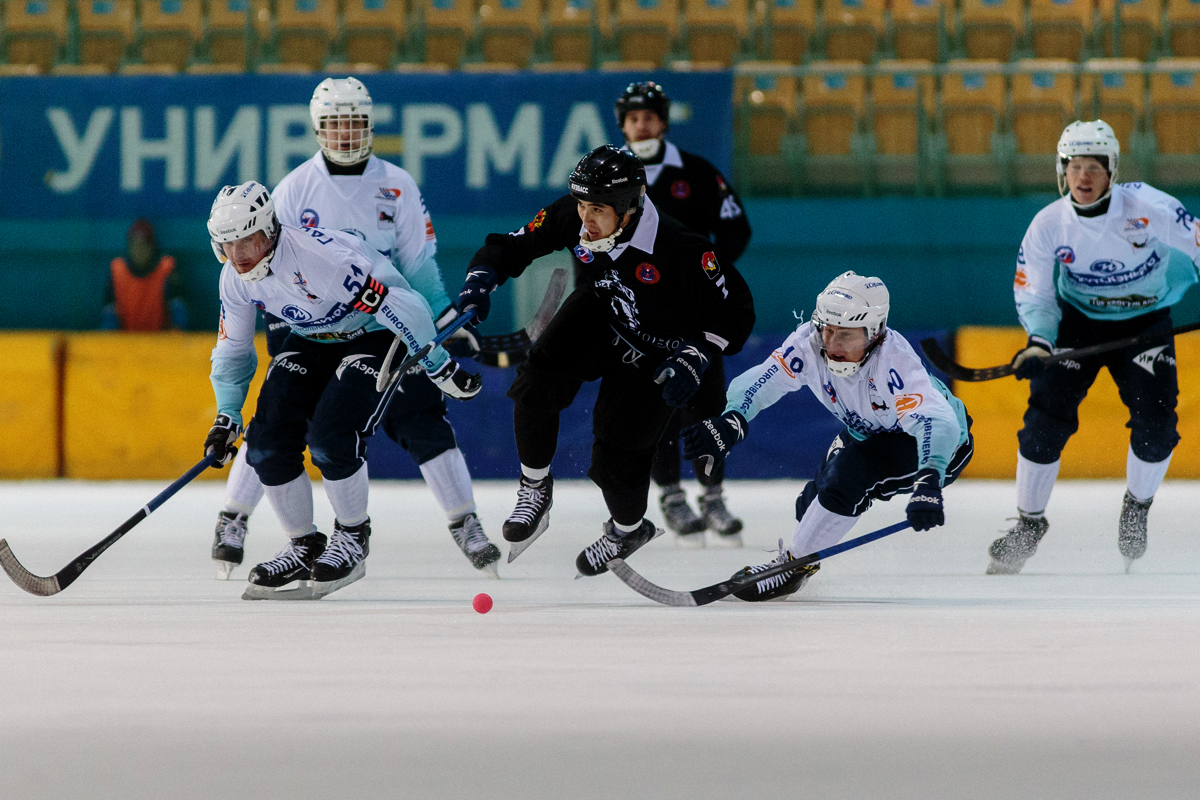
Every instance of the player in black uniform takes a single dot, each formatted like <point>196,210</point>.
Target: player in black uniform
<point>690,189</point>
<point>655,309</point>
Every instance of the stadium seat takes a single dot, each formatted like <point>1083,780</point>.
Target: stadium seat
<point>1183,20</point>
<point>1140,23</point>
<point>646,30</point>
<point>171,29</point>
<point>305,30</point>
<point>918,28</point>
<point>236,29</point>
<point>572,26</point>
<point>628,66</point>
<point>973,106</point>
<point>833,107</point>
<point>853,29</point>
<point>372,30</point>
<point>1060,28</point>
<point>715,29</point>
<point>34,31</point>
<point>789,28</point>
<point>1043,103</point>
<point>19,70</point>
<point>902,110</point>
<point>765,95</point>
<point>990,29</point>
<point>152,68</point>
<point>509,29</point>
<point>1114,90</point>
<point>105,31</point>
<point>1175,105</point>
<point>449,25</point>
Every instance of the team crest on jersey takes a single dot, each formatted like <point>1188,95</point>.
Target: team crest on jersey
<point>681,190</point>
<point>647,272</point>
<point>908,402</point>
<point>537,221</point>
<point>295,314</point>
<point>259,304</point>
<point>385,215</point>
<point>583,254</point>
<point>428,229</point>
<point>1021,280</point>
<point>1137,231</point>
<point>303,284</point>
<point>828,387</point>
<point>309,218</point>
<point>388,194</point>
<point>711,268</point>
<point>1065,255</point>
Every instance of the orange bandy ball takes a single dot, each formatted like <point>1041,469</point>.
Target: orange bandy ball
<point>482,603</point>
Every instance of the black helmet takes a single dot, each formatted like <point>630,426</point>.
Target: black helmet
<point>610,176</point>
<point>646,94</point>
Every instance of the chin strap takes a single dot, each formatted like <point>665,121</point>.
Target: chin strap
<point>602,245</point>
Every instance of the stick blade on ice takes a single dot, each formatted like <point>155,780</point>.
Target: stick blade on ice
<point>34,584</point>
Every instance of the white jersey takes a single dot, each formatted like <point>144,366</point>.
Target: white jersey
<point>383,207</point>
<point>1138,257</point>
<point>890,392</point>
<point>328,286</point>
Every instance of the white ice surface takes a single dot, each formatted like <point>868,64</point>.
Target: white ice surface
<point>900,672</point>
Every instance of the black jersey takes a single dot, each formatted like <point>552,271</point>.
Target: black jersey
<point>662,283</point>
<point>690,189</point>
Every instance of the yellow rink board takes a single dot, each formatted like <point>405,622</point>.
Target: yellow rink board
<point>138,406</point>
<point>1099,448</point>
<point>29,404</point>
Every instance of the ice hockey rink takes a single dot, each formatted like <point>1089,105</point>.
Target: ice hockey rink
<point>901,671</point>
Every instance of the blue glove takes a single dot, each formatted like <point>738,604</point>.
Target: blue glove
<point>681,373</point>
<point>925,507</point>
<point>1028,363</point>
<point>476,292</point>
<point>221,437</point>
<point>711,439</point>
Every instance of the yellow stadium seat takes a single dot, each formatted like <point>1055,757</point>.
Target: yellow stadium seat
<point>834,97</point>
<point>990,29</point>
<point>1114,90</point>
<point>1043,103</point>
<point>171,30</point>
<point>1175,106</point>
<point>789,28</point>
<point>572,26</point>
<point>765,94</point>
<point>853,29</point>
<point>234,26</point>
<point>973,106</point>
<point>903,105</point>
<point>917,28</point>
<point>19,70</point>
<point>716,29</point>
<point>449,24</point>
<point>509,29</point>
<point>372,30</point>
<point>1060,28</point>
<point>1184,19</point>
<point>34,31</point>
<point>646,30</point>
<point>1140,22</point>
<point>105,31</point>
<point>304,31</point>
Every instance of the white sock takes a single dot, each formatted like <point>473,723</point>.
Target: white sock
<point>627,528</point>
<point>534,474</point>
<point>450,482</point>
<point>1142,478</point>
<point>818,529</point>
<point>1034,484</point>
<point>293,504</point>
<point>243,490</point>
<point>349,497</point>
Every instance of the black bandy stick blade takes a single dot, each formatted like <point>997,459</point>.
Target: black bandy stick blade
<point>647,589</point>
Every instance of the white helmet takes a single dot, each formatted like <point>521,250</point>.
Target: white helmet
<point>344,101</point>
<point>852,301</point>
<point>1094,138</point>
<point>238,212</point>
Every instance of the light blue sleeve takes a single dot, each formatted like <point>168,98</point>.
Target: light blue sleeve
<point>230,377</point>
<point>426,280</point>
<point>938,423</point>
<point>762,386</point>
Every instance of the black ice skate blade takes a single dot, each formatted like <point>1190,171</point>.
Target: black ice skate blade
<point>324,588</point>
<point>296,590</point>
<point>516,548</point>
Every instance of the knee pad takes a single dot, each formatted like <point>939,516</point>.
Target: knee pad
<point>541,390</point>
<point>807,495</point>
<point>1043,437</point>
<point>274,467</point>
<point>1153,442</point>
<point>336,456</point>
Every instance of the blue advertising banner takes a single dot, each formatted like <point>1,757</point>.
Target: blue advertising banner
<point>104,147</point>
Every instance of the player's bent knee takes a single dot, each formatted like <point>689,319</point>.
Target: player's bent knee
<point>807,495</point>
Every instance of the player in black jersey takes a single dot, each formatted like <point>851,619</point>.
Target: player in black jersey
<point>690,189</point>
<point>654,310</point>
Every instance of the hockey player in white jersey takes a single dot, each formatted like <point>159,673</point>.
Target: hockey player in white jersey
<point>905,432</point>
<point>1124,254</point>
<point>344,187</point>
<point>343,301</point>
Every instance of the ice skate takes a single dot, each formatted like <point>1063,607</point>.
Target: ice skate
<point>1131,540</point>
<point>1010,552</point>
<point>614,544</point>
<point>287,576</point>
<point>531,516</point>
<point>344,559</point>
<point>726,529</point>
<point>229,542</point>
<point>679,517</point>
<point>776,587</point>
<point>469,536</point>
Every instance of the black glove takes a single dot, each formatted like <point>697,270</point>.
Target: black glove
<point>476,292</point>
<point>221,437</point>
<point>713,438</point>
<point>1028,362</point>
<point>681,373</point>
<point>464,342</point>
<point>925,507</point>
